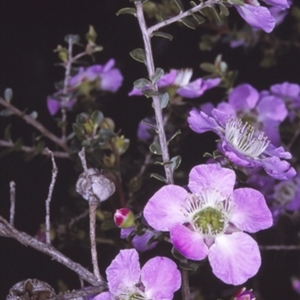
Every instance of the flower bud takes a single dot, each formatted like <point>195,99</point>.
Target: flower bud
<point>243,294</point>
<point>92,184</point>
<point>124,218</point>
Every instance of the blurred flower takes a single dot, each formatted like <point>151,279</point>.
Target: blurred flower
<point>105,78</point>
<point>296,284</point>
<point>57,102</point>
<point>264,112</point>
<point>158,279</point>
<point>242,145</point>
<point>124,218</point>
<point>209,221</point>
<point>139,242</point>
<point>290,94</point>
<point>178,82</point>
<point>260,17</point>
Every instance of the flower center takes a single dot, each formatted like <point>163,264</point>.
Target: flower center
<point>209,220</point>
<point>241,137</point>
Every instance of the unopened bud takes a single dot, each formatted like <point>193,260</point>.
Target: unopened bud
<point>124,218</point>
<point>244,294</point>
<point>92,184</point>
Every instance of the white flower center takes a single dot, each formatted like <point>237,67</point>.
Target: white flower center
<point>241,137</point>
<point>208,212</point>
<point>133,293</point>
<point>183,77</point>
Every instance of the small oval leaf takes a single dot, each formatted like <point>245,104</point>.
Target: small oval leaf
<point>138,55</point>
<point>8,94</point>
<point>126,10</point>
<point>163,34</point>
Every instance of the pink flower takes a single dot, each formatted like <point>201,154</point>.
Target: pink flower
<point>209,221</point>
<point>158,279</point>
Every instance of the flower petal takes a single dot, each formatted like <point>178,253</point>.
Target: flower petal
<point>243,97</point>
<point>257,16</point>
<point>251,212</point>
<point>161,278</point>
<point>201,122</point>
<point>234,258</point>
<point>53,106</point>
<point>211,176</point>
<point>272,107</point>
<point>277,168</point>
<point>164,208</point>
<point>283,4</point>
<point>189,243</point>
<point>104,296</point>
<point>124,270</point>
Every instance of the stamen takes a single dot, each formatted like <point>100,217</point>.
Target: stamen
<point>241,137</point>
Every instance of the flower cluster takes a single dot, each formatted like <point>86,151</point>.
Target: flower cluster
<point>209,221</point>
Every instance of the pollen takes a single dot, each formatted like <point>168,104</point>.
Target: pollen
<point>242,138</point>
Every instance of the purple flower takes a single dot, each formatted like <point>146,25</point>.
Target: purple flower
<point>290,94</point>
<point>139,242</point>
<point>105,78</point>
<point>158,279</point>
<point>178,82</point>
<point>241,145</point>
<point>55,103</point>
<point>263,111</point>
<point>259,17</point>
<point>209,221</point>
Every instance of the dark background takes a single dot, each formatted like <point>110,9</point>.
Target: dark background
<point>29,31</point>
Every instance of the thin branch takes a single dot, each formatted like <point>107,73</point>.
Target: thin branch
<point>180,16</point>
<point>7,230</point>
<point>81,293</point>
<point>12,188</point>
<point>156,100</point>
<point>50,193</point>
<point>36,124</point>
<point>93,204</point>
<point>280,247</point>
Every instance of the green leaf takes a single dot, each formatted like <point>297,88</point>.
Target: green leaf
<point>91,35</point>
<point>224,10</point>
<point>126,10</point>
<point>78,130</point>
<point>198,18</point>
<point>155,148</point>
<point>74,38</point>
<point>33,115</point>
<point>215,15</point>
<point>97,117</point>
<point>138,55</point>
<point>157,75</point>
<point>6,112</point>
<point>163,34</point>
<point>8,94</point>
<point>158,177</point>
<point>151,93</point>
<point>40,147</point>
<point>175,162</point>
<point>81,118</point>
<point>189,22</point>
<point>140,83</point>
<point>164,100</point>
<point>7,136</point>
<point>208,67</point>
<point>173,136</point>
<point>179,4</point>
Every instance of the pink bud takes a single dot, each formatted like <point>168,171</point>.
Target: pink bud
<point>243,294</point>
<point>124,218</point>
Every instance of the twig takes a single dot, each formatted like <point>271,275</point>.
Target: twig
<point>156,101</point>
<point>50,193</point>
<point>93,204</point>
<point>26,149</point>
<point>36,124</point>
<point>180,16</point>
<point>280,247</point>
<point>185,289</point>
<point>7,230</point>
<point>12,188</point>
<point>81,293</point>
